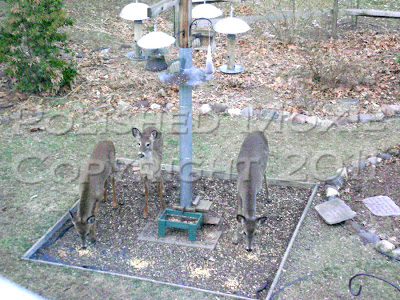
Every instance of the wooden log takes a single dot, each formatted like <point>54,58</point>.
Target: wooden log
<point>371,13</point>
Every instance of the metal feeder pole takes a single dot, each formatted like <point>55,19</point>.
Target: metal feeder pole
<point>185,108</point>
<point>138,33</point>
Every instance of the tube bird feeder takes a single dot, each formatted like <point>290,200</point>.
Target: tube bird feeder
<point>136,12</point>
<point>231,26</point>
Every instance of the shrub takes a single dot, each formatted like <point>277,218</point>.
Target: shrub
<point>32,46</point>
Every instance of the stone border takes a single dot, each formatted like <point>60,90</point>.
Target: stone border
<point>333,184</point>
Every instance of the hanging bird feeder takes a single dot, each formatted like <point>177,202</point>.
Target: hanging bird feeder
<point>231,26</point>
<point>154,44</point>
<point>136,12</point>
<point>202,38</point>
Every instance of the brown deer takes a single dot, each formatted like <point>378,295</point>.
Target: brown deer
<point>150,144</point>
<point>251,164</point>
<point>92,188</point>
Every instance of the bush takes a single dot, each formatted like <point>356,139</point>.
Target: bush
<point>32,46</point>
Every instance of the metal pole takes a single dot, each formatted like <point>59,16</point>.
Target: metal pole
<point>185,108</point>
<point>138,33</point>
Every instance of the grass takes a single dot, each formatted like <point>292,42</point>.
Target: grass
<point>28,210</point>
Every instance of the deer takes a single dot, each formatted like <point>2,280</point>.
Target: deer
<point>251,165</point>
<point>92,187</point>
<point>150,143</point>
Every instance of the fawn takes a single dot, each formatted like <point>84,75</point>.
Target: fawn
<point>251,164</point>
<point>150,144</point>
<point>92,188</point>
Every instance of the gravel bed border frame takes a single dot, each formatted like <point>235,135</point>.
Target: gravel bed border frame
<point>28,255</point>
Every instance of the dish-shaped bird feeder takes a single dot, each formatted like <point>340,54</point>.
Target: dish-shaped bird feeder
<point>136,12</point>
<point>204,37</point>
<point>154,43</point>
<point>231,26</point>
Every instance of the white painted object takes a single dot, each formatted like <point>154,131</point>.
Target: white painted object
<point>205,109</point>
<point>331,192</point>
<point>156,40</point>
<point>234,111</point>
<point>385,246</point>
<point>207,11</point>
<point>231,25</point>
<point>155,106</point>
<point>134,12</point>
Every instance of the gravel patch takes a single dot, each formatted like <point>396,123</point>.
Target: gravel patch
<point>228,268</point>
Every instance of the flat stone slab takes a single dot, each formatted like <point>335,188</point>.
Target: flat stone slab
<point>335,211</point>
<point>206,237</point>
<point>382,206</point>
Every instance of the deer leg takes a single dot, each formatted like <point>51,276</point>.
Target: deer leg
<point>93,226</point>
<point>160,192</point>
<point>114,203</point>
<point>266,189</point>
<point>105,192</point>
<point>146,196</point>
<point>238,226</point>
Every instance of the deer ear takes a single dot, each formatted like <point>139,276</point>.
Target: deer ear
<point>136,133</point>
<point>261,220</point>
<point>153,134</point>
<point>90,220</point>
<point>240,218</point>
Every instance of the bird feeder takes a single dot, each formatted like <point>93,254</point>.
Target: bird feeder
<point>136,12</point>
<point>202,38</point>
<point>231,26</point>
<point>154,43</point>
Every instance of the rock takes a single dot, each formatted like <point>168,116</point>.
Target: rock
<point>155,106</point>
<point>368,237</point>
<point>359,164</point>
<point>205,109</point>
<point>219,107</point>
<point>234,112</point>
<point>394,152</point>
<point>16,116</point>
<point>169,105</point>
<point>125,46</point>
<point>335,211</point>
<point>314,120</point>
<point>5,120</point>
<point>105,50</point>
<point>335,180</point>
<point>77,107</point>
<point>299,118</point>
<point>388,111</point>
<point>247,112</point>
<point>81,55</point>
<point>385,246</point>
<point>365,118</point>
<point>326,123</point>
<point>342,172</point>
<point>384,155</point>
<point>353,119</point>
<point>374,160</point>
<point>379,116</point>
<point>341,121</point>
<point>142,103</point>
<point>123,105</point>
<point>270,114</point>
<point>393,240</point>
<point>396,108</point>
<point>396,253</point>
<point>105,105</point>
<point>332,192</point>
<point>38,114</point>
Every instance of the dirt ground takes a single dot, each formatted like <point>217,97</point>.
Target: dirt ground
<point>228,268</point>
<point>325,257</point>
